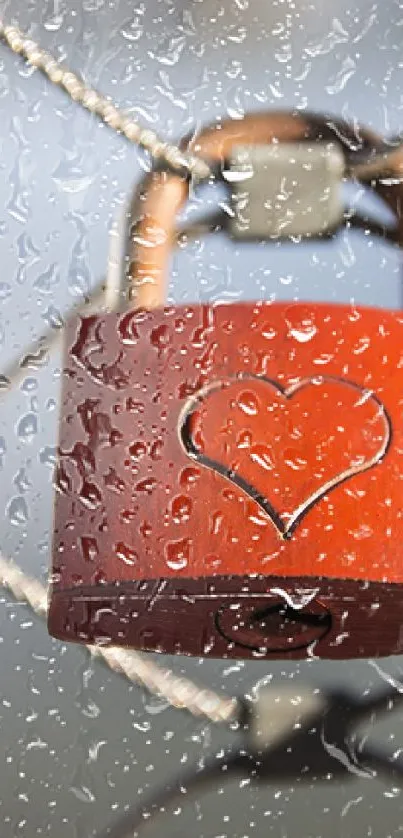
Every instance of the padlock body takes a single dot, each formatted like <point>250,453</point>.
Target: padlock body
<point>229,481</point>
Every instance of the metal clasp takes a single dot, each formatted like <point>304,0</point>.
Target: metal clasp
<point>285,190</point>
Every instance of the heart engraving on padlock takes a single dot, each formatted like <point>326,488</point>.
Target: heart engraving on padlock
<point>265,439</point>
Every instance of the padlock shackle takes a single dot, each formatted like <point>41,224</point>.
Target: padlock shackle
<point>163,194</point>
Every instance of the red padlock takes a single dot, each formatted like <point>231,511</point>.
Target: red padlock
<point>230,476</point>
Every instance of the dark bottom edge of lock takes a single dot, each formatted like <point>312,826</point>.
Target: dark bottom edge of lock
<point>239,617</point>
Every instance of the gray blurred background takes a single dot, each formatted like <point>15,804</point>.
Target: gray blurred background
<point>79,744</point>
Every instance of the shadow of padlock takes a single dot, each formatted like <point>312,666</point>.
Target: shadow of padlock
<point>229,479</point>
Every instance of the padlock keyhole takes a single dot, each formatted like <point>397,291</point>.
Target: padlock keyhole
<point>281,618</point>
<point>273,626</point>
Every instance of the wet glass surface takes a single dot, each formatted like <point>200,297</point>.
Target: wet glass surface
<point>79,744</point>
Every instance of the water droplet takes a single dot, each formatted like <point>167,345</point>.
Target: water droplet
<point>189,476</point>
<point>125,553</point>
<point>134,406</point>
<point>181,508</point>
<point>113,481</point>
<point>48,455</point>
<point>93,750</point>
<point>216,522</point>
<point>5,290</point>
<point>17,510</point>
<point>268,332</point>
<point>29,385</point>
<point>46,282</point>
<point>127,515</point>
<point>146,485</point>
<point>297,599</point>
<point>178,553</point>
<point>27,427</point>
<point>341,78</point>
<point>169,51</point>
<point>156,449</point>
<point>35,360</point>
<point>53,318</point>
<point>52,24</point>
<point>161,336</point>
<point>34,404</point>
<point>21,481</point>
<point>83,794</point>
<point>244,439</point>
<point>361,345</point>
<point>89,548</point>
<point>262,456</point>
<point>186,389</point>
<point>294,460</point>
<point>99,577</point>
<point>145,529</point>
<point>179,324</point>
<point>363,531</point>
<point>303,335</point>
<point>93,5</point>
<point>248,402</point>
<point>90,495</point>
<point>62,480</point>
<point>127,328</point>
<point>138,450</point>
<point>133,30</point>
<point>301,324</point>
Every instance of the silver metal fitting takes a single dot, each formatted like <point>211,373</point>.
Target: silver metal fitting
<point>285,190</point>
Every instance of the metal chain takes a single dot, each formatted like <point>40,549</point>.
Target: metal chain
<point>181,693</point>
<point>102,107</point>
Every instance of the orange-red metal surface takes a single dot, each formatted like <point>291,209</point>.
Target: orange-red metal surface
<point>226,470</point>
